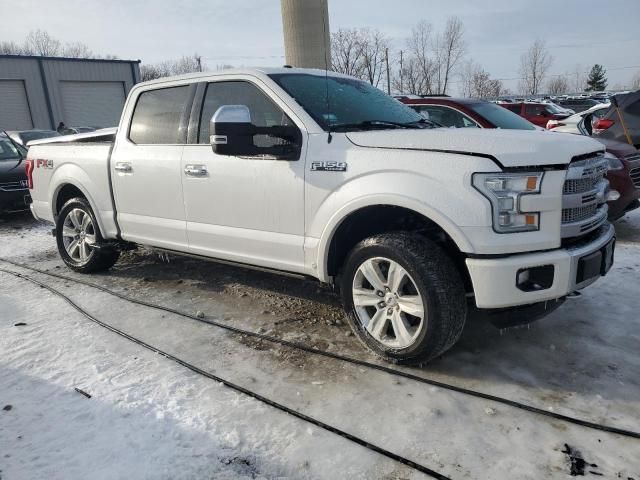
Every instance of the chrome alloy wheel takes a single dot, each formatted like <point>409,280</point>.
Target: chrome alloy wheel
<point>388,303</point>
<point>79,235</point>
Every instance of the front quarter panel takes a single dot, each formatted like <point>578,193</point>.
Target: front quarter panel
<point>436,185</point>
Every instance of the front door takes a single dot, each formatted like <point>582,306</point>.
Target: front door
<point>146,171</point>
<point>244,209</point>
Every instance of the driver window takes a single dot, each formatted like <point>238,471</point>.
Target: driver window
<point>264,113</point>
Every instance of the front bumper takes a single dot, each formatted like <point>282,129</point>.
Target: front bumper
<point>495,280</point>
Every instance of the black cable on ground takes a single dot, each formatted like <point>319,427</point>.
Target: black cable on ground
<point>238,388</point>
<point>354,361</point>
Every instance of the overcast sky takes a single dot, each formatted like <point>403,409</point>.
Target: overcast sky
<point>249,32</point>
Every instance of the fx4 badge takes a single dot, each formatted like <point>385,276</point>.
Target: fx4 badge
<point>41,163</point>
<point>329,166</point>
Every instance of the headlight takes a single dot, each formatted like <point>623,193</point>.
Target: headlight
<point>614,162</point>
<point>504,191</point>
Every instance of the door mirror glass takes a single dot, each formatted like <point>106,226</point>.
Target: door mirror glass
<point>232,133</point>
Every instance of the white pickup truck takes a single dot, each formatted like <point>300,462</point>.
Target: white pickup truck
<point>328,177</point>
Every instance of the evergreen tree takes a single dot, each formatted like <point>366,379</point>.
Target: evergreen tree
<point>597,79</point>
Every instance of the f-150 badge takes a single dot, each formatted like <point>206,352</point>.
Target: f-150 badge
<point>329,166</point>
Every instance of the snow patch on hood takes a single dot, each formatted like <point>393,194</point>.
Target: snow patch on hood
<point>512,148</point>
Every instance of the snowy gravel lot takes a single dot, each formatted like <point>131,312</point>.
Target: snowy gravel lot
<point>149,417</point>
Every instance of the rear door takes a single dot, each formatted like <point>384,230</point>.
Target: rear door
<point>145,168</point>
<point>244,209</point>
<point>536,114</point>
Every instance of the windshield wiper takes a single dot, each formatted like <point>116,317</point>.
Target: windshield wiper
<point>370,124</point>
<point>424,121</point>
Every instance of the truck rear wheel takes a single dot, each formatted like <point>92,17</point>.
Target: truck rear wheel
<point>79,239</point>
<point>404,297</point>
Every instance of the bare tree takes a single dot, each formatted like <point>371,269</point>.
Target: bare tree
<point>534,65</point>
<point>346,54</point>
<point>449,49</point>
<point>477,83</point>
<point>186,64</point>
<point>558,85</point>
<point>420,52</point>
<point>12,48</point>
<point>410,79</point>
<point>372,50</point>
<point>43,44</point>
<point>77,50</point>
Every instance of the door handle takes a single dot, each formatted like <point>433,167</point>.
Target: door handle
<point>195,170</point>
<point>123,167</point>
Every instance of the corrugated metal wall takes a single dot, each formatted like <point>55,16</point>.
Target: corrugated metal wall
<point>44,79</point>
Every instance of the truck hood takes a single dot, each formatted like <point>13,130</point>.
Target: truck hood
<point>511,148</point>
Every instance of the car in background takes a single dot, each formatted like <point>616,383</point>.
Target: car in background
<point>624,160</point>
<point>75,130</point>
<point>536,112</point>
<point>571,124</point>
<point>14,187</point>
<point>23,137</point>
<point>466,113</point>
<point>578,104</point>
<point>610,126</point>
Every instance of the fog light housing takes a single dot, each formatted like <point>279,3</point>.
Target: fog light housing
<point>613,195</point>
<point>535,278</point>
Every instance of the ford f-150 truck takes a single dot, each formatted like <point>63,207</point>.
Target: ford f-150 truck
<point>325,176</point>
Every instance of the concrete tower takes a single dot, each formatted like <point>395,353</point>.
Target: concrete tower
<point>305,24</point>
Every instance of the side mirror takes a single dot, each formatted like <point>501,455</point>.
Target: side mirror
<point>231,131</point>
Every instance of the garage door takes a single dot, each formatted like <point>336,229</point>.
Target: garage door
<point>92,104</point>
<point>14,107</point>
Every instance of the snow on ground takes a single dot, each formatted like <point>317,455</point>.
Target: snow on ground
<point>150,418</point>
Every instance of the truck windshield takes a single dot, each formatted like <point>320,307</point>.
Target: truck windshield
<point>353,104</point>
<point>501,117</point>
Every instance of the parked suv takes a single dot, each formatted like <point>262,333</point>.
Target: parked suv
<point>578,104</point>
<point>537,113</point>
<point>466,112</point>
<point>610,125</point>
<point>14,191</point>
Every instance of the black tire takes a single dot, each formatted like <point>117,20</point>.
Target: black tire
<point>99,259</point>
<point>435,278</point>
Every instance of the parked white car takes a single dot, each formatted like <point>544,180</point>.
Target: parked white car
<point>325,176</point>
<point>570,124</point>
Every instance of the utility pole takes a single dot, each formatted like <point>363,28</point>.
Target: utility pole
<point>199,61</point>
<point>386,59</point>
<point>401,75</point>
<point>305,25</point>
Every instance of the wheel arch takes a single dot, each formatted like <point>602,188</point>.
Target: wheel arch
<point>68,189</point>
<point>356,221</point>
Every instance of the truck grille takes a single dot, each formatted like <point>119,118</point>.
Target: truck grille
<point>584,195</point>
<point>13,186</point>
<point>635,176</point>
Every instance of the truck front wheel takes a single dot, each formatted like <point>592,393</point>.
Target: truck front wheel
<point>79,239</point>
<point>404,297</point>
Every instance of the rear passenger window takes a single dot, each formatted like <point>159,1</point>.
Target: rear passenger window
<point>264,113</point>
<point>533,110</point>
<point>513,108</point>
<point>157,116</point>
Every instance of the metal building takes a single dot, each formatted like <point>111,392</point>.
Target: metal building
<point>40,92</point>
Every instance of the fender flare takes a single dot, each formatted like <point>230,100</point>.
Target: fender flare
<point>437,217</point>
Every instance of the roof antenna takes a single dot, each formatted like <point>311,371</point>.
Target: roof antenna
<point>326,76</point>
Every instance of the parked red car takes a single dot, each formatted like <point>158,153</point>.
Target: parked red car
<point>537,113</point>
<point>624,173</point>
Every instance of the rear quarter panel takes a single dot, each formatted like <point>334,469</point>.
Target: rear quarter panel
<point>84,166</point>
